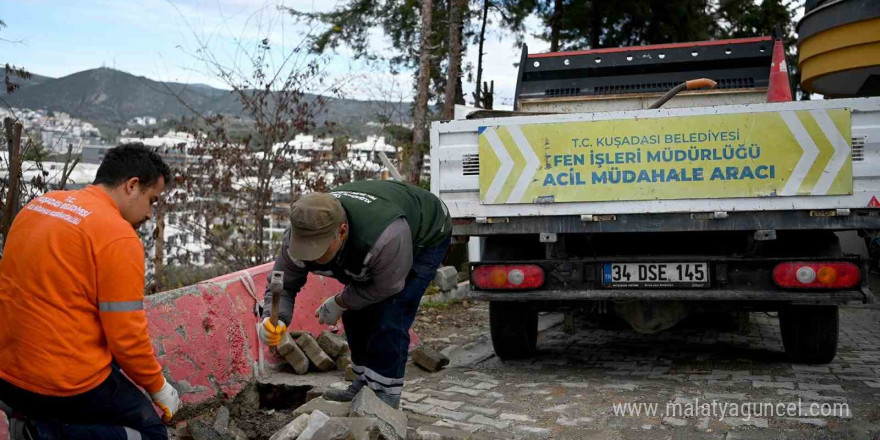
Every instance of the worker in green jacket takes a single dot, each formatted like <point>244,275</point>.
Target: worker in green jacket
<point>384,240</point>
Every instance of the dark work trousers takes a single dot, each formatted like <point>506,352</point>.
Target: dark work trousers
<point>115,409</point>
<point>378,335</point>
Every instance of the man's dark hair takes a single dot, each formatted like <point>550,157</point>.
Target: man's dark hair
<point>131,160</point>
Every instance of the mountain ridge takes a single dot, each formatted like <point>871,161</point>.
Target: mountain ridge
<point>114,97</point>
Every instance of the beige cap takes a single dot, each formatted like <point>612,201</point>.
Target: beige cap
<point>314,220</point>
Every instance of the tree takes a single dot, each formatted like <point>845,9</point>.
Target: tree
<point>591,24</point>
<point>453,83</point>
<point>414,159</point>
<point>233,185</point>
<point>745,18</point>
<point>416,32</point>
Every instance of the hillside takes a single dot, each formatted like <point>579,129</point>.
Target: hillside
<point>113,97</point>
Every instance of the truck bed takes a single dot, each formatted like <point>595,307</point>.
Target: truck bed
<point>456,179</point>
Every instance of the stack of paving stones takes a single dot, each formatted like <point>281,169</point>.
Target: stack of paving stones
<point>328,352</point>
<point>364,418</point>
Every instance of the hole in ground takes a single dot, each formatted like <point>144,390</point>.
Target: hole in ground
<point>281,396</point>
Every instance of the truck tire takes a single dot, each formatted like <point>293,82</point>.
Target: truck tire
<point>809,333</point>
<point>514,329</point>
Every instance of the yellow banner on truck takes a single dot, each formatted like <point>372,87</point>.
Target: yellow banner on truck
<point>762,154</point>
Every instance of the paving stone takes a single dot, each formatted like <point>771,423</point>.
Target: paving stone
<point>575,385</point>
<point>333,429</point>
<point>201,430</point>
<point>392,422</point>
<point>448,413</point>
<point>672,421</point>
<point>221,420</point>
<point>812,395</point>
<point>708,376</point>
<point>852,370</point>
<point>441,394</point>
<point>429,359</point>
<point>446,278</point>
<point>620,386</point>
<point>565,421</point>
<point>703,423</point>
<point>332,344</point>
<point>293,429</point>
<point>762,384</point>
<point>758,423</point>
<point>820,387</point>
<point>725,396</point>
<point>516,417</point>
<point>331,409</point>
<point>560,408</point>
<point>809,421</point>
<point>811,368</point>
<point>484,410</point>
<point>447,404</point>
<point>314,352</point>
<point>359,428</point>
<point>412,397</point>
<point>343,362</point>
<point>418,408</point>
<point>441,433</point>
<point>294,355</point>
<point>350,374</point>
<point>751,378</point>
<point>533,430</point>
<point>317,419</point>
<point>483,420</point>
<point>469,427</point>
<point>466,391</point>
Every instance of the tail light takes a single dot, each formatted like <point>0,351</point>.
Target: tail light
<point>514,276</point>
<point>817,275</point>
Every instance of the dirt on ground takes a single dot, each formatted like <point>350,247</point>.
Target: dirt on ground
<point>438,324</point>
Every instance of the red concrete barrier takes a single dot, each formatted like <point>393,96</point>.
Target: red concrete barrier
<point>205,335</point>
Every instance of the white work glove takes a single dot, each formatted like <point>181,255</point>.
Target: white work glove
<point>271,334</point>
<point>329,312</point>
<point>167,400</point>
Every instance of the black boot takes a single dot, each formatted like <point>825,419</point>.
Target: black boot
<point>346,395</point>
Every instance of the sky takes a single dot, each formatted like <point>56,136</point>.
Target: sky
<point>159,39</point>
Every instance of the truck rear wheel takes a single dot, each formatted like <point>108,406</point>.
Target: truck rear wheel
<point>514,329</point>
<point>809,333</point>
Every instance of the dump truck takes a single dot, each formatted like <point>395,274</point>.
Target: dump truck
<point>731,199</point>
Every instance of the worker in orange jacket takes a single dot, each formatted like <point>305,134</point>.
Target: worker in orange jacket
<point>72,313</point>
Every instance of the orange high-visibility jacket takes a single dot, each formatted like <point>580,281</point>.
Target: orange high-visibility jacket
<point>71,297</point>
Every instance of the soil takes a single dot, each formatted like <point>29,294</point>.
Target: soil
<point>439,325</point>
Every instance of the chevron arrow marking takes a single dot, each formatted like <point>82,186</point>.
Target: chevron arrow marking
<point>806,161</point>
<point>530,168</point>
<point>841,152</point>
<point>503,171</point>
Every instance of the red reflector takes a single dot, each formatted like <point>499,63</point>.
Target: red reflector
<point>514,276</point>
<point>817,275</point>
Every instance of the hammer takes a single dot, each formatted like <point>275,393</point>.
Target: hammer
<point>276,285</point>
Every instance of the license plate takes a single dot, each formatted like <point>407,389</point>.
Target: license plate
<point>655,275</point>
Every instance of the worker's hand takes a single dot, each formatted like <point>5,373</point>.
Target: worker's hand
<point>167,400</point>
<point>271,334</point>
<point>329,312</point>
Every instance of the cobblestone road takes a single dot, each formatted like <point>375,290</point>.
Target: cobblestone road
<point>570,389</point>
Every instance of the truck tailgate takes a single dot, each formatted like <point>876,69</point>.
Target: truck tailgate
<point>546,165</point>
